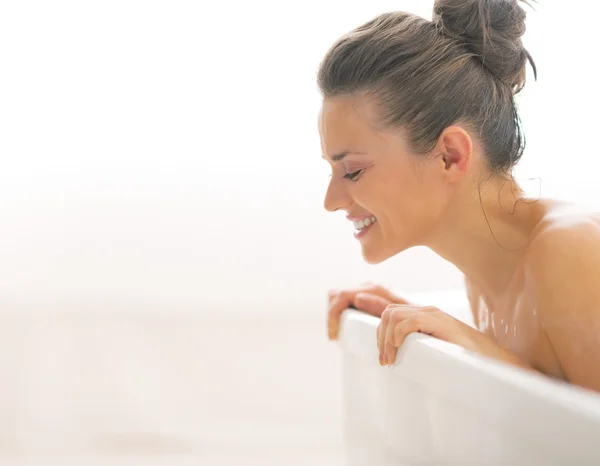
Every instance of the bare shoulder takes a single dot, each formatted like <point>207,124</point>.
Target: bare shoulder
<point>566,244</point>
<point>562,274</point>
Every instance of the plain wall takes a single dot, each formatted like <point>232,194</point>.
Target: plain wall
<point>169,150</point>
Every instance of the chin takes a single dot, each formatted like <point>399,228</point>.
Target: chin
<point>374,257</point>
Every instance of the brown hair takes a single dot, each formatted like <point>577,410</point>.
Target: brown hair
<point>465,66</point>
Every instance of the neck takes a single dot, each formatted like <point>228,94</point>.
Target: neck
<point>486,235</point>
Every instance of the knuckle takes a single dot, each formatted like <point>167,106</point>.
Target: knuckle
<point>386,315</point>
<point>397,317</point>
<point>390,308</point>
<point>346,295</point>
<point>395,313</point>
<point>339,302</point>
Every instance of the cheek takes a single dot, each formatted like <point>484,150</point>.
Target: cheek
<point>411,203</point>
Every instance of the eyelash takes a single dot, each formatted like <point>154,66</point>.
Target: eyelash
<point>354,176</point>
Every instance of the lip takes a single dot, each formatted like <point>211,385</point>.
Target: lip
<point>360,233</point>
<point>353,218</point>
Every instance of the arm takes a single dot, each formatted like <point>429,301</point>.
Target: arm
<point>563,273</point>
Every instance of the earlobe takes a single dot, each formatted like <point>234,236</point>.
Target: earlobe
<point>456,148</point>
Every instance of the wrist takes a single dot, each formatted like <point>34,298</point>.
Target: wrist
<point>495,351</point>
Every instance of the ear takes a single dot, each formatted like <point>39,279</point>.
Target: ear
<point>455,147</point>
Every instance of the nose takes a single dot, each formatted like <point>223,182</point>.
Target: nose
<point>336,197</point>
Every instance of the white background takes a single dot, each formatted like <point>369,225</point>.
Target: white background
<point>169,150</point>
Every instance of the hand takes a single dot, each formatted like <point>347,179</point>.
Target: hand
<point>398,321</point>
<point>370,298</point>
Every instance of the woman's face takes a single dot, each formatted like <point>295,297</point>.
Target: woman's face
<point>375,176</point>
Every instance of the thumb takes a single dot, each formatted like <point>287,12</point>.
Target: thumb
<point>371,303</point>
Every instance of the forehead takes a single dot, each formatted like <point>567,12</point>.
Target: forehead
<point>345,123</point>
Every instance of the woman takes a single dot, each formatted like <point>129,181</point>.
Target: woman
<point>420,127</point>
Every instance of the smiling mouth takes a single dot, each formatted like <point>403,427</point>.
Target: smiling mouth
<point>364,223</point>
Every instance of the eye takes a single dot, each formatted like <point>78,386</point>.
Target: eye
<point>354,176</point>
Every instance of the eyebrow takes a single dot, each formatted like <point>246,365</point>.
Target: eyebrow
<point>339,156</point>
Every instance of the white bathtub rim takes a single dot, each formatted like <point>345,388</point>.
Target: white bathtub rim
<point>435,347</point>
<point>545,403</point>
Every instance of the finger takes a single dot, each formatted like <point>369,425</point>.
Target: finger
<point>410,325</point>
<point>384,293</point>
<point>403,320</point>
<point>339,304</point>
<point>378,346</point>
<point>370,303</point>
<point>383,325</point>
<point>397,316</point>
<point>397,335</point>
<point>418,322</point>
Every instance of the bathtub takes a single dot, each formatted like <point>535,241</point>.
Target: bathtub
<point>441,405</point>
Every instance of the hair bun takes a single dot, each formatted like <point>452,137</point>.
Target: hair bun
<point>491,30</point>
